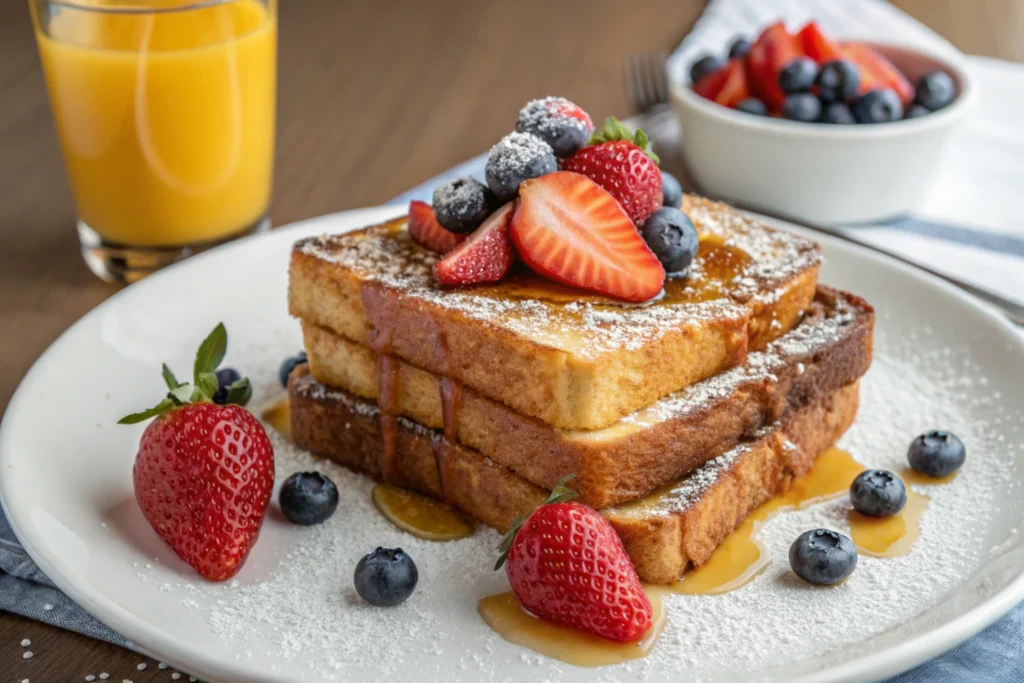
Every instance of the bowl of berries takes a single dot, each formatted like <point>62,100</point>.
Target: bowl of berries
<point>818,129</point>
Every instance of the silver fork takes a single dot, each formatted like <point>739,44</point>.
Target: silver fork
<point>646,82</point>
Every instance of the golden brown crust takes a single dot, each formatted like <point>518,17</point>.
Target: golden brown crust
<point>830,348</point>
<point>575,364</point>
<point>661,544</point>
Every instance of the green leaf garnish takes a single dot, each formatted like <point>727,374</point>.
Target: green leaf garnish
<point>169,378</point>
<point>211,352</point>
<point>239,392</point>
<point>560,494</point>
<point>204,381</point>
<point>614,130</point>
<point>164,406</point>
<point>207,381</point>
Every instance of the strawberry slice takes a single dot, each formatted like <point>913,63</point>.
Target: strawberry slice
<point>774,49</point>
<point>728,86</point>
<point>877,72</point>
<point>570,230</point>
<point>712,84</point>
<point>485,257</point>
<point>817,45</point>
<point>735,89</point>
<point>425,229</point>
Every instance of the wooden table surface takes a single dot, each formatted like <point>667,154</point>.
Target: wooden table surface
<point>371,103</point>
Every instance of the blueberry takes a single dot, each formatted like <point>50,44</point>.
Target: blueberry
<point>461,205</point>
<point>837,113</point>
<point>936,453</point>
<point>288,365</point>
<point>822,556</point>
<point>671,190</point>
<point>671,236</point>
<point>801,106</point>
<point>708,64</point>
<point>837,81</point>
<point>878,493</point>
<point>798,75</point>
<point>739,48</point>
<point>546,118</point>
<point>308,498</point>
<point>916,110</point>
<point>752,105</point>
<point>225,378</point>
<point>935,90</point>
<point>386,577</point>
<point>878,106</point>
<point>517,157</point>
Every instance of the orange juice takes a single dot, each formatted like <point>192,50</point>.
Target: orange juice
<point>166,117</point>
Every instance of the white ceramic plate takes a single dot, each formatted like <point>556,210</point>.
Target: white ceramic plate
<point>291,614</point>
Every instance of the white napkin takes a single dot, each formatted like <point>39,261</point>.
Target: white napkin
<point>972,224</point>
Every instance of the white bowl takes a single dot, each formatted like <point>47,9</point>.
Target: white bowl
<point>819,172</point>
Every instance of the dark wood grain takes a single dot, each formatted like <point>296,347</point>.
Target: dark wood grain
<point>373,98</point>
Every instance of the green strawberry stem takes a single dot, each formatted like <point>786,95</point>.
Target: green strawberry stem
<point>615,130</point>
<point>204,381</point>
<point>560,494</point>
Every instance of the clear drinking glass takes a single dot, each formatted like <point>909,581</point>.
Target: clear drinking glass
<point>165,114</point>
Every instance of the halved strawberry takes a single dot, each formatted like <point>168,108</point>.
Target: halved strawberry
<point>877,72</point>
<point>735,89</point>
<point>425,229</point>
<point>710,85</point>
<point>485,257</point>
<point>569,229</point>
<point>774,49</point>
<point>728,86</point>
<point>817,45</point>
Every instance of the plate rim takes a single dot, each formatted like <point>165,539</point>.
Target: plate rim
<point>887,662</point>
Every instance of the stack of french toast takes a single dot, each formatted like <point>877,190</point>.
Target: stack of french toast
<point>675,417</point>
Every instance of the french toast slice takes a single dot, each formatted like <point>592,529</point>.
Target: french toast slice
<point>572,360</point>
<point>664,533</point>
<point>829,348</point>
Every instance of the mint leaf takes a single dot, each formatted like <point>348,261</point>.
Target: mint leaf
<point>211,352</point>
<point>169,378</point>
<point>208,383</point>
<point>160,408</point>
<point>239,392</point>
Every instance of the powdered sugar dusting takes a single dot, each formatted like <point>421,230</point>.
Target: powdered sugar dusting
<point>588,327</point>
<point>298,611</point>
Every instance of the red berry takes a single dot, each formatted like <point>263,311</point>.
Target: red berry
<point>567,565</point>
<point>485,257</point>
<point>570,230</point>
<point>203,477</point>
<point>626,171</point>
<point>425,229</point>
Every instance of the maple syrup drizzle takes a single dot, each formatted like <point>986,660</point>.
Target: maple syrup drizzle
<point>387,401</point>
<point>503,613</point>
<point>381,310</point>
<point>451,405</point>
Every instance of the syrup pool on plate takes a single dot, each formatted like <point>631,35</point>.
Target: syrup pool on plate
<point>742,556</point>
<point>503,613</point>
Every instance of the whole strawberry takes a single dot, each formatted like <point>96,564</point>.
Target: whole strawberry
<point>567,565</point>
<point>204,472</point>
<point>618,160</point>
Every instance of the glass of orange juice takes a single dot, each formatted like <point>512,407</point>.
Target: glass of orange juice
<point>165,114</point>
